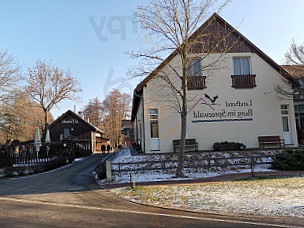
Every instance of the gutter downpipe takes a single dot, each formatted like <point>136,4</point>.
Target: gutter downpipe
<point>143,113</point>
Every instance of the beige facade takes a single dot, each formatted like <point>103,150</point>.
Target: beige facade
<point>218,112</point>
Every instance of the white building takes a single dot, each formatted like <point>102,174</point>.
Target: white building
<point>236,99</point>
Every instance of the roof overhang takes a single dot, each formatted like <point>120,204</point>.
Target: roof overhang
<point>137,96</point>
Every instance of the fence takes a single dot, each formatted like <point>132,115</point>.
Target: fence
<point>25,154</point>
<point>19,161</point>
<point>206,164</point>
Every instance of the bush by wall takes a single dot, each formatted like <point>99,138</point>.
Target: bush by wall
<point>289,160</point>
<point>5,157</point>
<point>101,170</point>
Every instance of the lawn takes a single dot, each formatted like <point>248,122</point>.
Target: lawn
<point>271,196</point>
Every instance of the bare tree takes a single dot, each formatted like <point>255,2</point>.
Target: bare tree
<point>174,25</point>
<point>9,78</point>
<point>116,107</point>
<point>295,55</point>
<point>9,70</point>
<point>48,85</point>
<point>294,59</point>
<point>94,112</point>
<point>20,117</point>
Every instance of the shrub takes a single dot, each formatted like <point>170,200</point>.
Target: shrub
<point>6,158</point>
<point>101,170</point>
<point>289,160</point>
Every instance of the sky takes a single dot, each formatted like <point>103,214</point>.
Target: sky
<point>91,37</point>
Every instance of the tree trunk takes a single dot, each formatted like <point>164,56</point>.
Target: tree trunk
<point>45,119</point>
<point>181,157</point>
<point>45,123</point>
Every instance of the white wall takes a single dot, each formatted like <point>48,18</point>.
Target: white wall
<point>264,103</point>
<point>139,125</point>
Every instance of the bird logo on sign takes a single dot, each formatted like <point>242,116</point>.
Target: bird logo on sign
<point>212,100</point>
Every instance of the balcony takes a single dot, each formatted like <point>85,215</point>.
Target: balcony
<point>243,81</point>
<point>196,82</point>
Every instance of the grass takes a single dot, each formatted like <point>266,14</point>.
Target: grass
<point>264,195</point>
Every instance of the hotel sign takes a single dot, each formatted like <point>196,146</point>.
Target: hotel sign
<point>207,110</point>
<point>70,121</point>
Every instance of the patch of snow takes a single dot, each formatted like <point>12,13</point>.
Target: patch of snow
<point>124,156</point>
<point>271,197</point>
<point>149,176</point>
<point>32,162</point>
<point>78,159</point>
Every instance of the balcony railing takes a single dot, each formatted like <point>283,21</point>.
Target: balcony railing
<point>243,81</point>
<point>196,82</point>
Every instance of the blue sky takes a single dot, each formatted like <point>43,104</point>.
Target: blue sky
<point>90,37</point>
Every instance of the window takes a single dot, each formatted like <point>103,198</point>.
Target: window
<point>242,78</point>
<point>154,123</point>
<point>194,68</point>
<point>195,79</point>
<point>241,66</point>
<point>66,133</point>
<point>285,119</point>
<point>299,112</point>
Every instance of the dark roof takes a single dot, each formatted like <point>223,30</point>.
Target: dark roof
<point>127,124</point>
<point>214,24</point>
<point>135,103</point>
<point>69,112</point>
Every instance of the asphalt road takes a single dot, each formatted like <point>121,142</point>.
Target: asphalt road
<point>69,197</point>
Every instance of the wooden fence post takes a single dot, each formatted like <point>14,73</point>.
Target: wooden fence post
<point>134,179</point>
<point>108,171</point>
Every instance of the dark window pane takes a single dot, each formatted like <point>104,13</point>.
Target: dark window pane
<point>154,128</point>
<point>66,132</point>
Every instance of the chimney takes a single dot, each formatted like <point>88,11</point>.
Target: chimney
<point>80,114</point>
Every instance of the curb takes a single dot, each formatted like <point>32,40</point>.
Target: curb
<point>219,178</point>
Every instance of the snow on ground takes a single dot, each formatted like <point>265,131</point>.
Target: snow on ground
<point>32,162</point>
<point>78,159</point>
<point>125,156</point>
<point>270,197</point>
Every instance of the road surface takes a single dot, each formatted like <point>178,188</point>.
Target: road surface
<point>69,197</point>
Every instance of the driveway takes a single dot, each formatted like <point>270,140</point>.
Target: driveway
<point>69,197</point>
